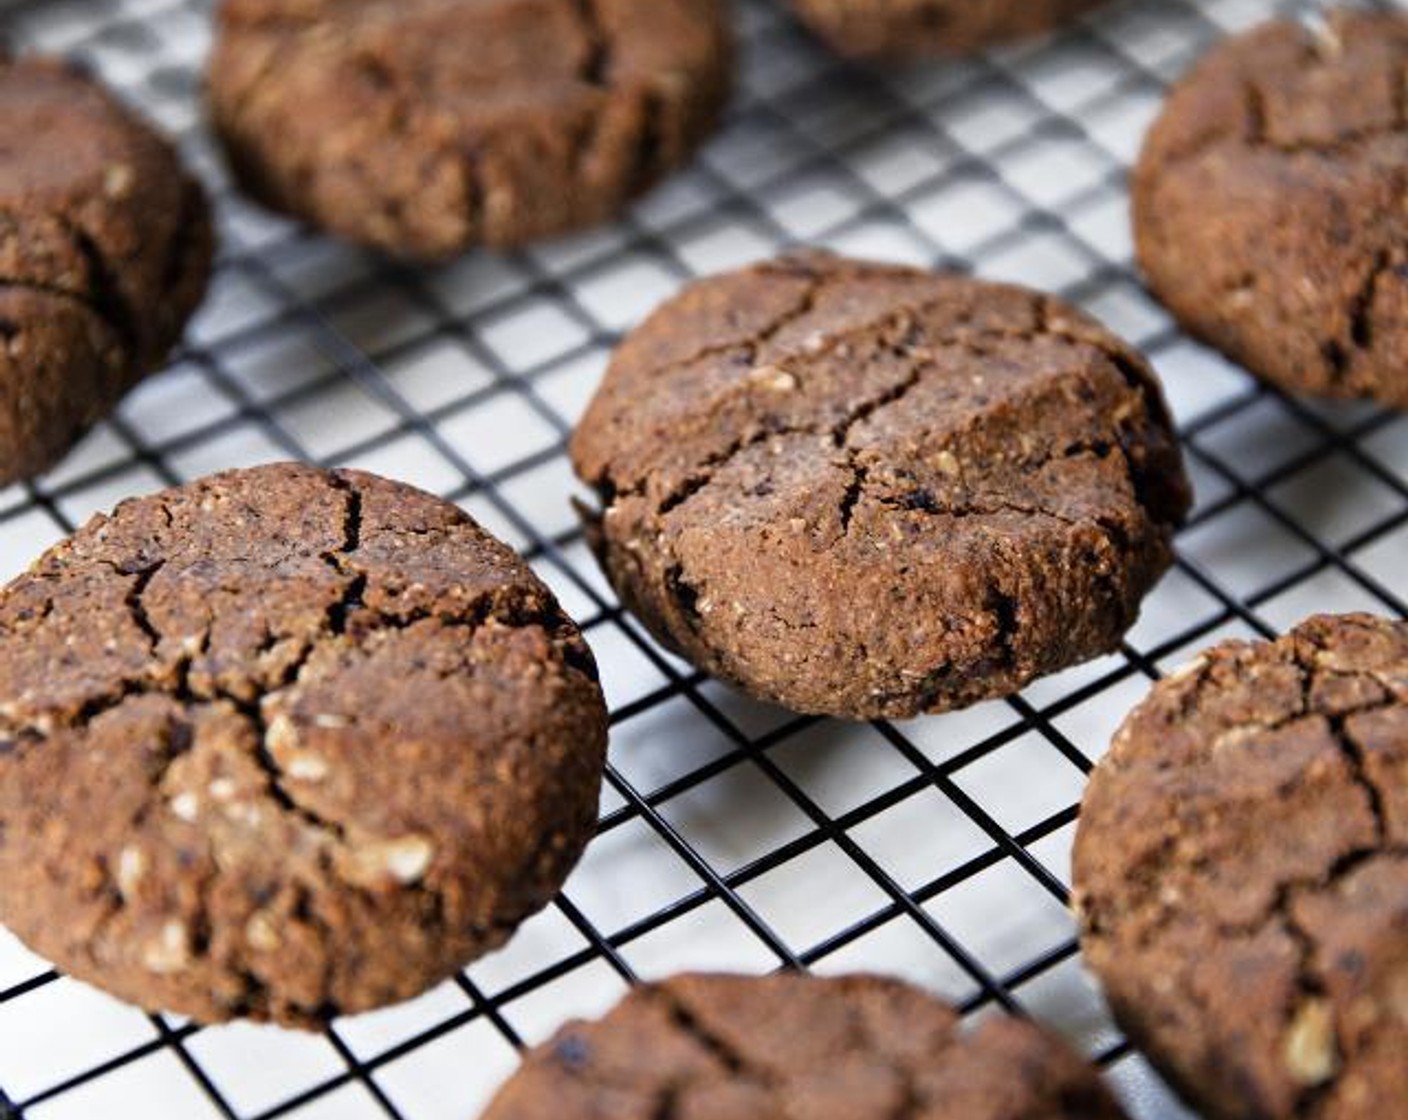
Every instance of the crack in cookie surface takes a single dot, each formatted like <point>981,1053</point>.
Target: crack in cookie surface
<point>695,1046</point>
<point>332,700</point>
<point>374,125</point>
<point>1240,835</point>
<point>773,432</point>
<point>105,251</point>
<point>1278,159</point>
<point>919,28</point>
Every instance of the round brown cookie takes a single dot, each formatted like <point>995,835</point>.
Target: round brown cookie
<point>1268,205</point>
<point>728,1048</point>
<point>423,127</point>
<point>105,247</point>
<point>915,28</point>
<point>287,744</point>
<point>864,490</point>
<point>1241,870</point>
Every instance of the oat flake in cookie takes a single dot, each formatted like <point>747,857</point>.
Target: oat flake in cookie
<point>915,28</point>
<point>704,1047</point>
<point>105,247</point>
<point>1269,205</point>
<point>287,744</point>
<point>1241,870</point>
<point>864,490</point>
<point>425,127</point>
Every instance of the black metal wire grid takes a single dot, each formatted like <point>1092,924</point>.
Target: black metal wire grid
<point>731,835</point>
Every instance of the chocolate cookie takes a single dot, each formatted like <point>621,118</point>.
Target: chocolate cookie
<point>915,28</point>
<point>105,247</point>
<point>287,744</point>
<point>863,490</point>
<point>721,1047</point>
<point>423,127</point>
<point>1268,205</point>
<point>1241,871</point>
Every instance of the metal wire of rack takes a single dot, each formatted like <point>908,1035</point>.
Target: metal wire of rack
<point>732,835</point>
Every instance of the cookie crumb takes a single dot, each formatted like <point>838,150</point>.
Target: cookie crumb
<point>1187,671</point>
<point>262,932</point>
<point>282,735</point>
<point>118,179</point>
<point>307,768</point>
<point>170,951</point>
<point>947,462</point>
<point>404,860</point>
<point>773,379</point>
<point>1312,1052</point>
<point>186,806</point>
<point>131,868</point>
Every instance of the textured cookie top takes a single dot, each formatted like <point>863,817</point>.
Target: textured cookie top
<point>105,248</point>
<point>1242,873</point>
<point>914,28</point>
<point>286,744</point>
<point>1269,204</point>
<point>864,490</point>
<point>94,206</point>
<point>424,126</point>
<point>709,1047</point>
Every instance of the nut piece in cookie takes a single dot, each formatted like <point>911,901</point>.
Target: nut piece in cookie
<point>862,490</point>
<point>1241,872</point>
<point>1269,208</point>
<point>700,1046</point>
<point>287,744</point>
<point>425,127</point>
<point>919,28</point>
<point>105,247</point>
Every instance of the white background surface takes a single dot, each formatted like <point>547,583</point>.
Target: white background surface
<point>734,836</point>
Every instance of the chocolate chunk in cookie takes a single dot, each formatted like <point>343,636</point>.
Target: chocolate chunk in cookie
<point>424,127</point>
<point>1241,871</point>
<point>1269,205</point>
<point>105,247</point>
<point>864,490</point>
<point>915,28</point>
<point>713,1047</point>
<point>287,744</point>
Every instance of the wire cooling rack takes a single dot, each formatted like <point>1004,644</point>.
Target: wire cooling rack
<point>732,835</point>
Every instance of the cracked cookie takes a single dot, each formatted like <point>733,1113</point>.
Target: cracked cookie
<point>105,248</point>
<point>700,1047</point>
<point>287,744</point>
<point>1269,205</point>
<point>916,28</point>
<point>862,490</point>
<point>1241,872</point>
<point>425,127</point>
